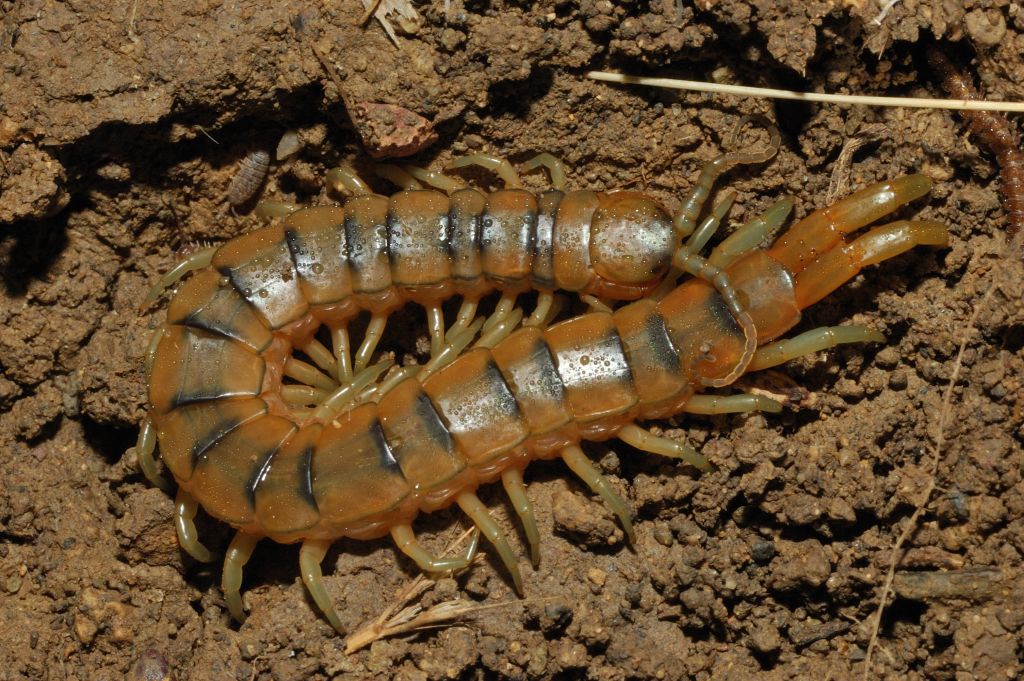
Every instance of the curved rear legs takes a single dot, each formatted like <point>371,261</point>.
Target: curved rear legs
<point>184,523</point>
<point>311,555</point>
<point>581,466</point>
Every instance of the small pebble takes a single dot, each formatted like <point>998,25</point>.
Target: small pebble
<point>596,576</point>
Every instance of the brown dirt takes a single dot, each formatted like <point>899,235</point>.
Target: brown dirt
<point>121,126</point>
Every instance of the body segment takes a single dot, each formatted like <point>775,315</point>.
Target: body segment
<point>224,387</point>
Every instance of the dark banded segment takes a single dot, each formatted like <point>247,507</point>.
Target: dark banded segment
<point>208,301</point>
<point>592,365</point>
<point>316,240</point>
<point>465,220</point>
<point>572,240</point>
<point>529,369</point>
<point>284,488</point>
<point>653,359</point>
<point>226,474</point>
<point>508,235</point>
<point>260,266</point>
<point>355,474</point>
<point>477,407</point>
<point>709,341</point>
<point>194,365</point>
<point>366,233</point>
<point>418,238</point>
<point>187,432</point>
<point>416,434</point>
<point>543,274</point>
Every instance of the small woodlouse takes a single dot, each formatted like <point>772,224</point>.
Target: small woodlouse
<point>335,452</point>
<point>252,172</point>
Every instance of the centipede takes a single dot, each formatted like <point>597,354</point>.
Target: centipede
<point>997,133</point>
<point>338,447</point>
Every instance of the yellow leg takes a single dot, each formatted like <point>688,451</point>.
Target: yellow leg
<point>497,164</point>
<point>646,441</point>
<point>405,540</point>
<point>237,556</point>
<point>344,180</point>
<point>477,512</point>
<point>581,466</point>
<point>512,479</point>
<point>435,179</point>
<point>184,522</point>
<point>556,169</point>
<point>311,555</point>
<point>397,176</point>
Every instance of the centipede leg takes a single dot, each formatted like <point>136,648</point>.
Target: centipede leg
<point>504,308</point>
<point>542,313</point>
<point>145,448</point>
<point>464,317</point>
<point>196,261</point>
<point>311,555</point>
<point>407,543</point>
<point>344,180</point>
<point>556,169</point>
<point>308,374</point>
<point>321,356</point>
<point>238,554</point>
<point>743,403</point>
<point>501,330</point>
<point>477,512</point>
<point>373,334</point>
<point>184,522</point>
<point>585,471</point>
<point>811,342</point>
<point>497,164</point>
<point>512,479</point>
<point>271,210</point>
<point>595,304</point>
<point>646,441</point>
<point>342,353</point>
<point>397,176</point>
<point>435,322</point>
<point>750,235</point>
<point>445,183</point>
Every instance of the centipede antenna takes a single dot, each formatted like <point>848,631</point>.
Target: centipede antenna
<point>772,93</point>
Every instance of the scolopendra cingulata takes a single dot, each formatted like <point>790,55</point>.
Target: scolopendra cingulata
<point>999,135</point>
<point>337,453</point>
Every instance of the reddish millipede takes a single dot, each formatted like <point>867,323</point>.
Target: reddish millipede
<point>335,453</point>
<point>998,134</point>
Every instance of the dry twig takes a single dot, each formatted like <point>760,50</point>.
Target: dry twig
<point>841,172</point>
<point>926,495</point>
<point>401,618</point>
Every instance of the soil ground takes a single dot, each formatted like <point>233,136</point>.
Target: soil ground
<point>121,126</point>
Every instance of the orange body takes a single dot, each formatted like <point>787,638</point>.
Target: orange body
<point>237,448</point>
